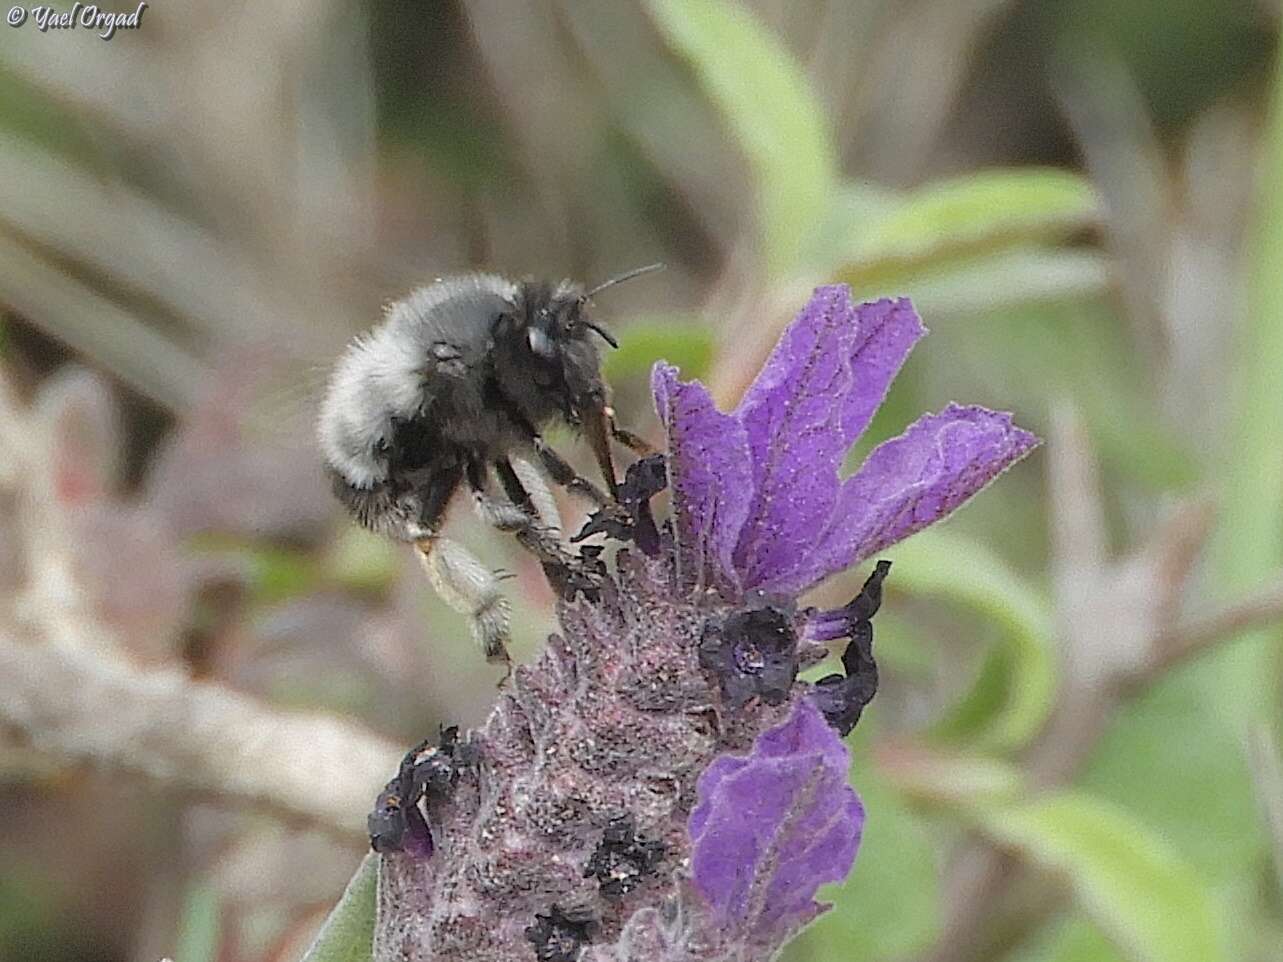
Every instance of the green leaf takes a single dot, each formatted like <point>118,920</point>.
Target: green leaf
<point>1243,679</point>
<point>1177,752</point>
<point>770,107</point>
<point>348,932</point>
<point>949,778</point>
<point>1145,759</point>
<point>683,340</point>
<point>1150,902</point>
<point>851,207</point>
<point>980,284</point>
<point>979,213</point>
<point>1017,685</point>
<point>199,928</point>
<point>1074,940</point>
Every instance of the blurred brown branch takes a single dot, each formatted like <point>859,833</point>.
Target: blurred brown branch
<point>88,706</point>
<point>1258,609</point>
<point>68,687</point>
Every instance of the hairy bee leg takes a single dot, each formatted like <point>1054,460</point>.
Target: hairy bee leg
<point>567,572</point>
<point>561,472</point>
<point>517,516</point>
<point>633,442</point>
<point>401,514</point>
<point>533,481</point>
<point>468,586</point>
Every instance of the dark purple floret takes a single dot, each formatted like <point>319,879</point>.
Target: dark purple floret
<point>843,697</point>
<point>584,579</point>
<point>630,518</point>
<point>398,826</point>
<point>622,860</point>
<point>753,652</point>
<point>558,936</point>
<point>397,823</point>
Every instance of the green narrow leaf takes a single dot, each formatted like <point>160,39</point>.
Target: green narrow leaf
<point>1016,688</point>
<point>1248,546</point>
<point>779,122</point>
<point>851,207</point>
<point>1150,902</point>
<point>982,284</point>
<point>1195,719</point>
<point>199,929</point>
<point>977,213</point>
<point>950,779</point>
<point>348,933</point>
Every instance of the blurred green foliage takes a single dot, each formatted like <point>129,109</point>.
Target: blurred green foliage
<point>1153,903</point>
<point>775,116</point>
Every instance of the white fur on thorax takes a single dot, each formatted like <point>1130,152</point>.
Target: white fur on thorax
<point>379,377</point>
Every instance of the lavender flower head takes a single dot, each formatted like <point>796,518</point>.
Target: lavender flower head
<point>658,786</point>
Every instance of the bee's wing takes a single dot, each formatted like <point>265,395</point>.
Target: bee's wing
<point>243,460</point>
<point>284,403</point>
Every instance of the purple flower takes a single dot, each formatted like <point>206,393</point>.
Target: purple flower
<point>761,510</point>
<point>759,502</point>
<point>658,786</point>
<point>773,826</point>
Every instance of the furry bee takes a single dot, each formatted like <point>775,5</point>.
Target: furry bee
<point>454,387</point>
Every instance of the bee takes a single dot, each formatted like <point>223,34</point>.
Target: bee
<point>453,388</point>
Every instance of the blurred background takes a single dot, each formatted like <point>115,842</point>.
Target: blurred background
<point>1075,752</point>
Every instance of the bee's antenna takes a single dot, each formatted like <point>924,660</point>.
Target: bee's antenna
<point>617,279</point>
<point>605,334</point>
<point>620,278</point>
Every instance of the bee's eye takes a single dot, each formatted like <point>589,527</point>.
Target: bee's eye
<point>539,341</point>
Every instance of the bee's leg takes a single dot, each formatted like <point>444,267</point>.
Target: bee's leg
<point>564,474</point>
<point>470,588</point>
<point>568,573</point>
<point>516,515</point>
<point>533,480</point>
<point>462,582</point>
<point>380,509</point>
<point>625,437</point>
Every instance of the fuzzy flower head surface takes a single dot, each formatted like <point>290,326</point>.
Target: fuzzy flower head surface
<point>658,785</point>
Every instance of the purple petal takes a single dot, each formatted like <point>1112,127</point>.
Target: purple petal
<point>821,385</point>
<point>770,828</point>
<point>709,473</point>
<point>910,482</point>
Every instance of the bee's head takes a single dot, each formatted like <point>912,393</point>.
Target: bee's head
<point>546,352</point>
<point>548,361</point>
<point>559,318</point>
